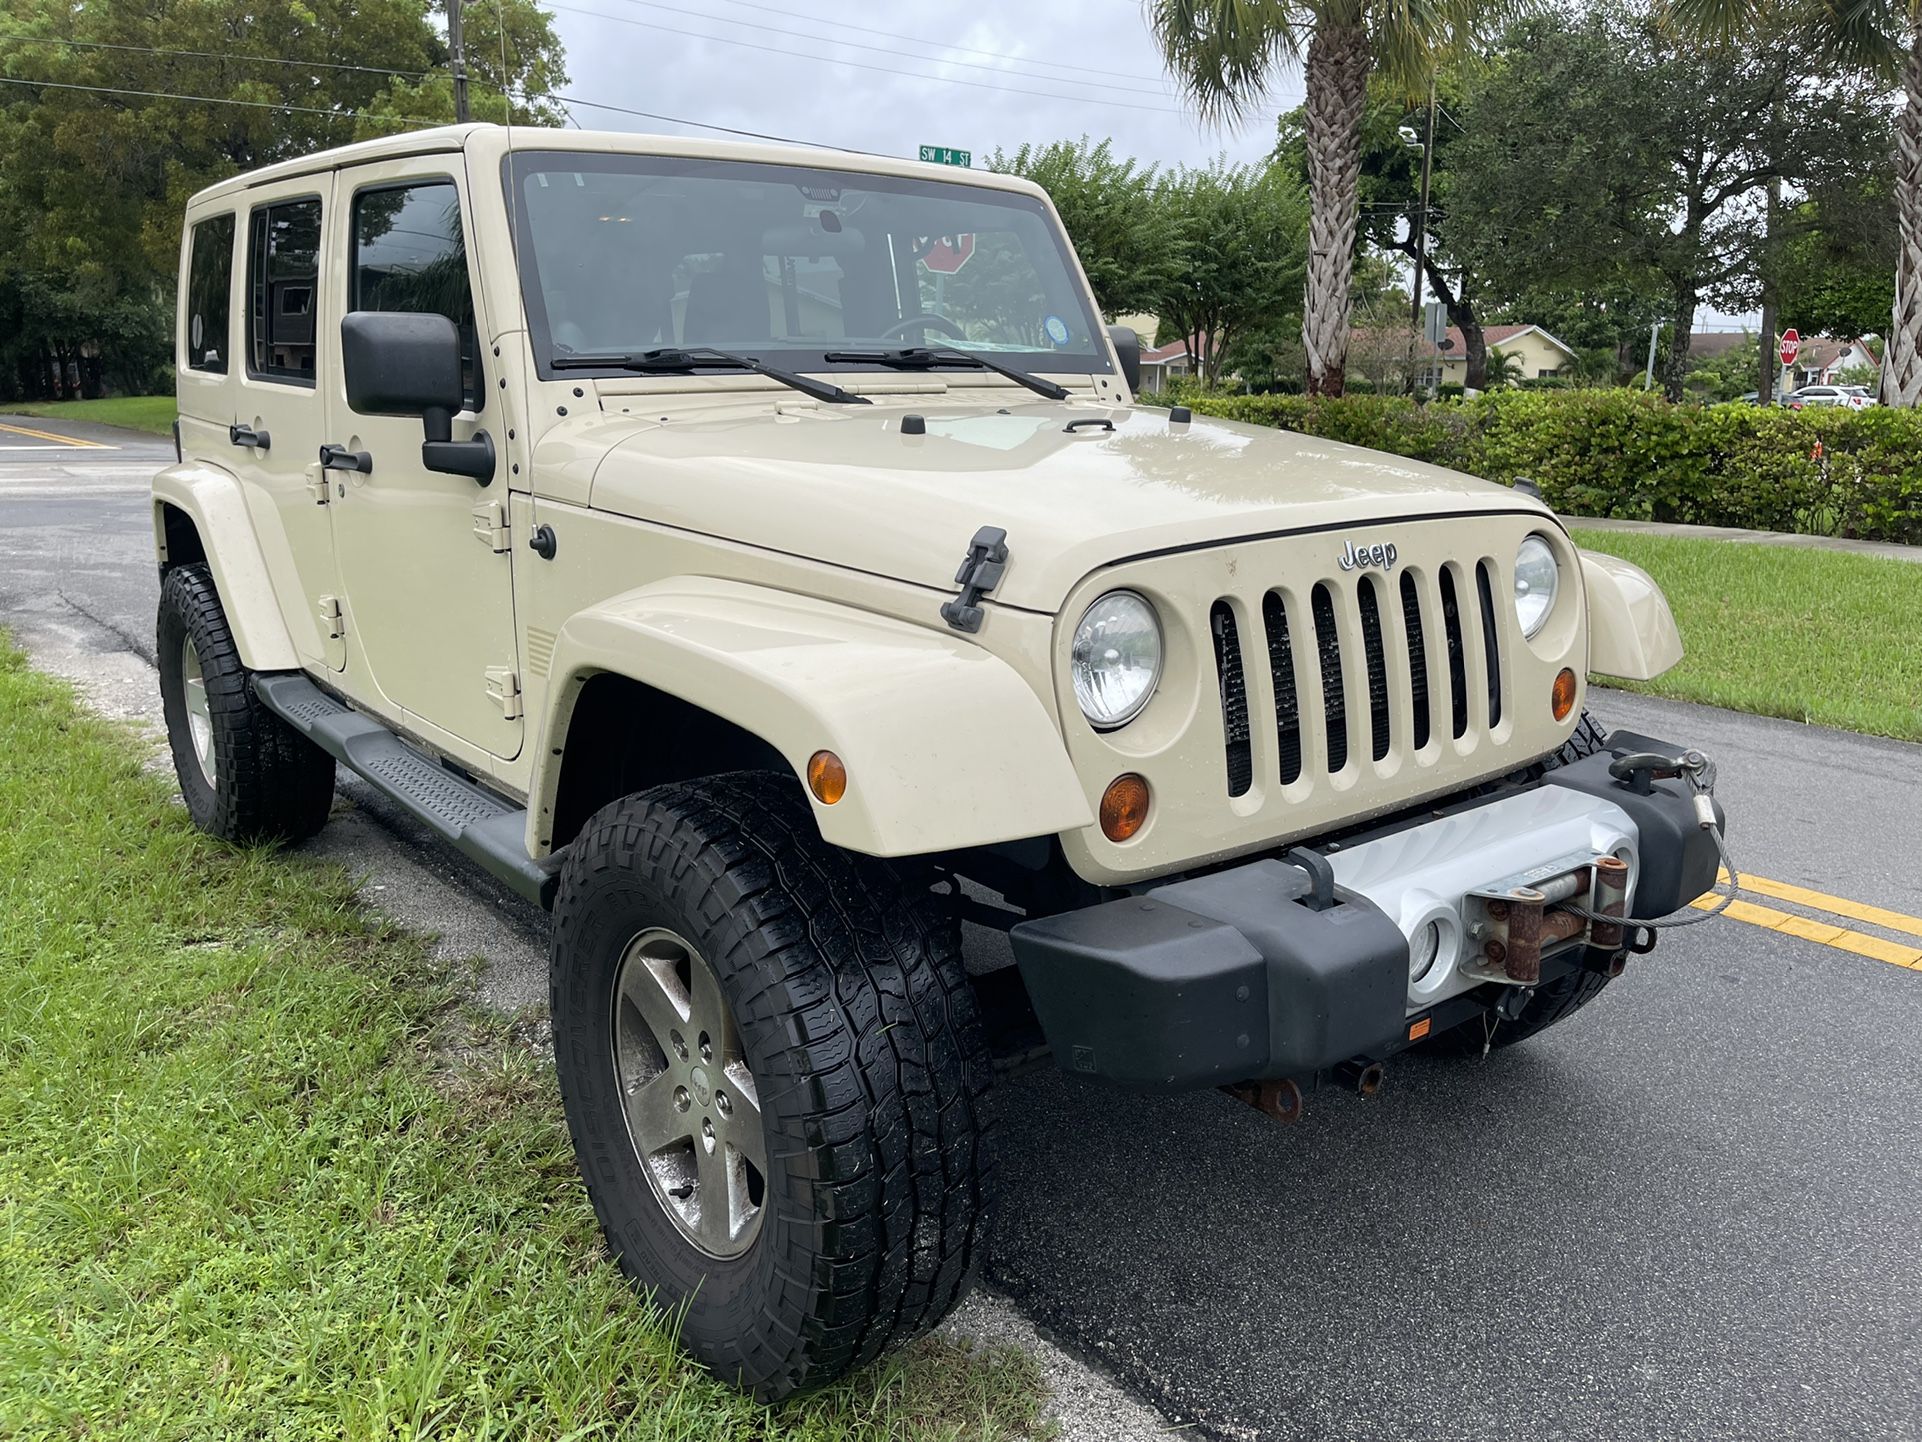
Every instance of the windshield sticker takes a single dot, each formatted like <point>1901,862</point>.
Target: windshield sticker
<point>1057,329</point>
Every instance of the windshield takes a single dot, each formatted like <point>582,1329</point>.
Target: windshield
<point>621,254</point>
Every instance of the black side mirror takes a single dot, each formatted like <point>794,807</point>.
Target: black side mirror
<point>1127,347</point>
<point>398,363</point>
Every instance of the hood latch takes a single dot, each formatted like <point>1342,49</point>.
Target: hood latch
<point>980,573</point>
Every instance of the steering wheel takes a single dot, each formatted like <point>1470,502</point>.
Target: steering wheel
<point>900,328</point>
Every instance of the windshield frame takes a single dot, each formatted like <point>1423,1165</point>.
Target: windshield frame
<point>518,165</point>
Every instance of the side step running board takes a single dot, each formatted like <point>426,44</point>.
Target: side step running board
<point>477,822</point>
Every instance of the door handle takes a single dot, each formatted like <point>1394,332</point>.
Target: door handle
<point>238,435</point>
<point>339,458</point>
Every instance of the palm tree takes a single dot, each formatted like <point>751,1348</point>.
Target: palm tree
<point>1225,52</point>
<point>1503,369</point>
<point>1883,36</point>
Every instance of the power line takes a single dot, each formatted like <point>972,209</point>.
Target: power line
<point>223,100</point>
<point>211,55</point>
<point>699,124</point>
<point>414,120</point>
<point>883,50</point>
<point>941,44</point>
<point>863,65</point>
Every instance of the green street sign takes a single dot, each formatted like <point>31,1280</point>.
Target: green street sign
<point>944,155</point>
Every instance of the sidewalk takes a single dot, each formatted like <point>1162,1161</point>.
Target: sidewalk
<point>1888,550</point>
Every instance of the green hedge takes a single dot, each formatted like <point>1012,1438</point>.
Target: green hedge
<point>1629,454</point>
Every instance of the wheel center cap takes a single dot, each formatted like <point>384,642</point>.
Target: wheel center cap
<point>697,1083</point>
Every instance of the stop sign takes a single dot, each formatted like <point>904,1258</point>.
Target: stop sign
<point>949,253</point>
<point>1791,346</point>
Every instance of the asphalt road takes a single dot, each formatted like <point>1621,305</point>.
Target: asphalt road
<point>1692,1211</point>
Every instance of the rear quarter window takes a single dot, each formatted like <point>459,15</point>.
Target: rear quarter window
<point>210,271</point>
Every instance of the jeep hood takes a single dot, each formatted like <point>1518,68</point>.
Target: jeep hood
<point>851,486</point>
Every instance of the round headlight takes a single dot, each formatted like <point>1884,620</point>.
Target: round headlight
<point>1116,658</point>
<point>1537,578</point>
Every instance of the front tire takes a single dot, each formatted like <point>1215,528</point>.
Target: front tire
<point>708,944</point>
<point>245,775</point>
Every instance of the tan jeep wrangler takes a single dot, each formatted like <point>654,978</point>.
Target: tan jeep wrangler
<point>757,556</point>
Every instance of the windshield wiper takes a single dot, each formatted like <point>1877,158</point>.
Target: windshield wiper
<point>684,360</point>
<point>921,357</point>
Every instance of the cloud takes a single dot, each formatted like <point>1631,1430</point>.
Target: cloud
<point>974,75</point>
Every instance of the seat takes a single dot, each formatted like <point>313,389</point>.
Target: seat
<point>725,306</point>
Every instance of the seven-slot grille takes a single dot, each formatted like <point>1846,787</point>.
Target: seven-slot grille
<point>1362,625</point>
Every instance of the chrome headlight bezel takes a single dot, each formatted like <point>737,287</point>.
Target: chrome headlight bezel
<point>1535,558</point>
<point>1144,642</point>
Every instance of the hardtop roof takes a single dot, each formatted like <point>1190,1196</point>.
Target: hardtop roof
<point>488,142</point>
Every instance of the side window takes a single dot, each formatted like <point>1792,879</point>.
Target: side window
<point>411,255</point>
<point>209,275</point>
<point>283,266</point>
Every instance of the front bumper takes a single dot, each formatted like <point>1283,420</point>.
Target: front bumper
<point>1240,975</point>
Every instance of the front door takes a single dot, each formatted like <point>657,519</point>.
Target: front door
<point>423,557</point>
<point>278,417</point>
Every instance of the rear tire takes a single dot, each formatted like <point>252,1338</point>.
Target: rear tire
<point>245,775</point>
<point>850,1027</point>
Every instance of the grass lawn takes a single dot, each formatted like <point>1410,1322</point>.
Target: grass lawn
<point>263,1174</point>
<point>1812,635</point>
<point>154,414</point>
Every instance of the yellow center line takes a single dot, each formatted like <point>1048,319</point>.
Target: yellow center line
<point>76,443</point>
<point>1838,905</point>
<point>1825,933</point>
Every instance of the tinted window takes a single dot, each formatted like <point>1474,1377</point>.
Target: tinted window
<point>283,266</point>
<point>208,277</point>
<point>410,255</point>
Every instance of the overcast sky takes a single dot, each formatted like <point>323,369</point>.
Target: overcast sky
<point>890,78</point>
<point>971,75</point>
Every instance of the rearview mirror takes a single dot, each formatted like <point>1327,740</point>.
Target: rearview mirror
<point>1127,349</point>
<point>398,363</point>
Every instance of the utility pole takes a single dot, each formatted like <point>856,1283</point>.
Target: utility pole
<point>1768,368</point>
<point>1421,215</point>
<point>454,44</point>
<point>1648,376</point>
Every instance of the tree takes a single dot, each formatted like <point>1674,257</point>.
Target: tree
<point>1389,201</point>
<point>1240,232</point>
<point>1835,274</point>
<point>1225,52</point>
<point>1622,159</point>
<point>1884,36</point>
<point>170,98</point>
<point>1128,241</point>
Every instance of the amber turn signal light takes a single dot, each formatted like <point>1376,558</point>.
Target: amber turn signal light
<point>1124,806</point>
<point>1561,699</point>
<point>827,777</point>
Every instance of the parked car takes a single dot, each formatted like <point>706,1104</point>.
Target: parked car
<point>758,556</point>
<point>1853,398</point>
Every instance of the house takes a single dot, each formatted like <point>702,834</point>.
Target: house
<point>1165,363</point>
<point>1539,352</point>
<point>1822,358</point>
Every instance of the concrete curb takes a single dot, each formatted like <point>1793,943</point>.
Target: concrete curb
<point>1887,550</point>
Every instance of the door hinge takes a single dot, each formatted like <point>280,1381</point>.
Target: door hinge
<point>980,573</point>
<point>332,622</point>
<point>490,524</point>
<point>317,485</point>
<point>504,687</point>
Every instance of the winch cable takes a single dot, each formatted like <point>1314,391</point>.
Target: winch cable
<point>1700,774</point>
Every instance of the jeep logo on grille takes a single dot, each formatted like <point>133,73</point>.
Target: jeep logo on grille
<point>1382,554</point>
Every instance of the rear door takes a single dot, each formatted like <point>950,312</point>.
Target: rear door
<point>278,414</point>
<point>423,557</point>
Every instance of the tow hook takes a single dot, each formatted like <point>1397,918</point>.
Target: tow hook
<point>1278,1099</point>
